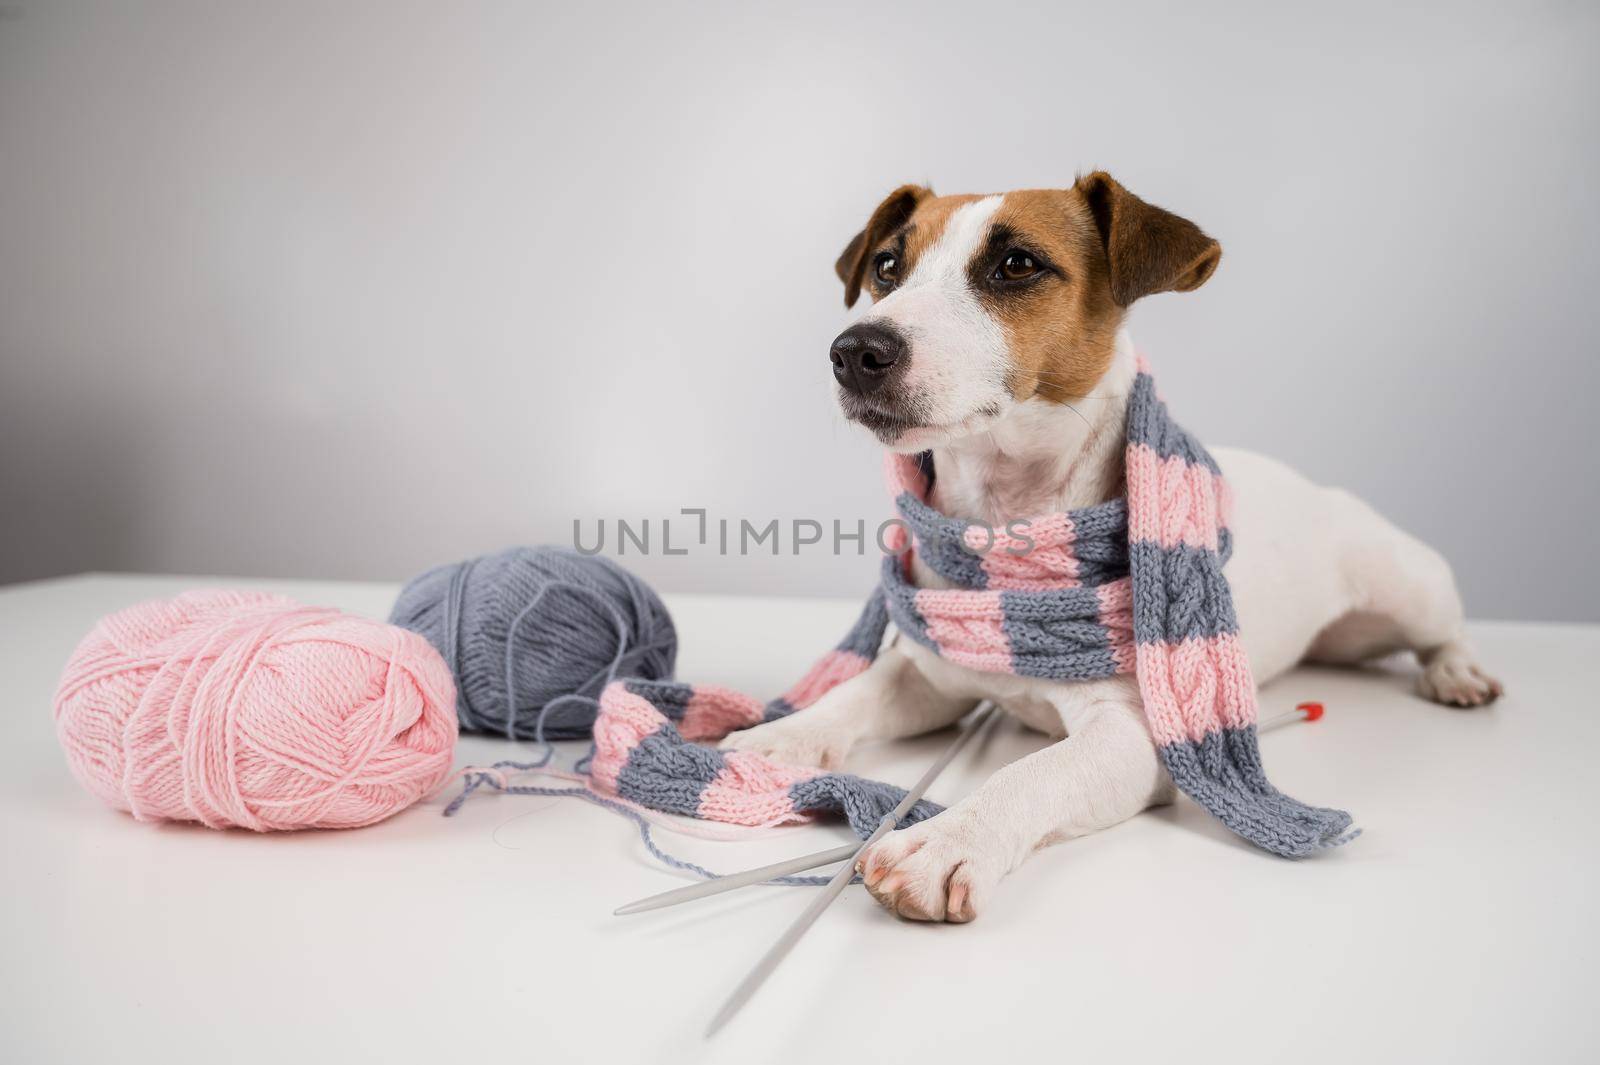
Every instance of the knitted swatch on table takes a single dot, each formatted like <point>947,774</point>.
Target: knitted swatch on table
<point>1134,585</point>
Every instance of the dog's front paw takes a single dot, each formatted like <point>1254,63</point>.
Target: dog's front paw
<point>935,871</point>
<point>793,741</point>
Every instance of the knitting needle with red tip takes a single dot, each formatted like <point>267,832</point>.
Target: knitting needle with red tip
<point>1302,712</point>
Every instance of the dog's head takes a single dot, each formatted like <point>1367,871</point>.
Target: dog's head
<point>982,302</point>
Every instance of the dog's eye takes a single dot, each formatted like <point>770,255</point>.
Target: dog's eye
<point>1016,266</point>
<point>886,267</point>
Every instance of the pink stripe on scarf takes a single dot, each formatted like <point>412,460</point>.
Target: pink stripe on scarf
<point>753,790</point>
<point>904,474</point>
<point>625,721</point>
<point>1195,687</point>
<point>714,711</point>
<point>1038,559</point>
<point>831,670</point>
<point>1173,502</point>
<point>968,627</point>
<point>1116,616</point>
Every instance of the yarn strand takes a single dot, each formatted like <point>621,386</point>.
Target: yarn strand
<point>477,778</point>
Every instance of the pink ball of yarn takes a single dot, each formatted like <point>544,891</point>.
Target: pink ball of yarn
<point>244,709</point>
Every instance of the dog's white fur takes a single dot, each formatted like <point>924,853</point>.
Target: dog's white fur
<point>1315,573</point>
<point>962,357</point>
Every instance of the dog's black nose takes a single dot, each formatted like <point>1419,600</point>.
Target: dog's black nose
<point>864,354</point>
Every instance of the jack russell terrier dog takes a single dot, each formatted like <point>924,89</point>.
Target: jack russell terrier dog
<point>996,342</point>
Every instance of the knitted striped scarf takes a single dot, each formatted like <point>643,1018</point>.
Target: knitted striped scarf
<point>1134,585</point>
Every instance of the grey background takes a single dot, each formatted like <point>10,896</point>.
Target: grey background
<point>348,290</point>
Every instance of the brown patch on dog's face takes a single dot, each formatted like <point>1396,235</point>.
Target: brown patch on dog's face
<point>1043,276</point>
<point>1060,267</point>
<point>904,226</point>
<point>855,262</point>
<point>920,233</point>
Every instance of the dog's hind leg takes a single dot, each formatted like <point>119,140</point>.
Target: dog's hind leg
<point>1403,597</point>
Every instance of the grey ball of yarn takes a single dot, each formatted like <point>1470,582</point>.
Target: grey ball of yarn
<point>533,633</point>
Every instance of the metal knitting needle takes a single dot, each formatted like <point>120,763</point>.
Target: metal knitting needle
<point>779,950</point>
<point>706,889</point>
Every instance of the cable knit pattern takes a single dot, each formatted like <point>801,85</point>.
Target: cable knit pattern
<point>1130,585</point>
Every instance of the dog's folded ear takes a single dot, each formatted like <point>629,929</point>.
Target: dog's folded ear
<point>891,214</point>
<point>1149,250</point>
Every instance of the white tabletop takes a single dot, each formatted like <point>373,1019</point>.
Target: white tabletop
<point>1458,928</point>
